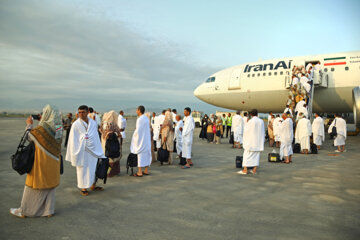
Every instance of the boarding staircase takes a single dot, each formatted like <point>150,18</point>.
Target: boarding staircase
<point>320,80</point>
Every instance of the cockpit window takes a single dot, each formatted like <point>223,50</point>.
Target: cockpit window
<point>210,79</point>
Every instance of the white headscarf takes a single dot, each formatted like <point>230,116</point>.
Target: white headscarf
<point>51,121</point>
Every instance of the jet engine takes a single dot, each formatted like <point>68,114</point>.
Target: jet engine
<point>356,102</point>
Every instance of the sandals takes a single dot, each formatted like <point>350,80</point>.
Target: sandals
<point>16,212</point>
<point>136,175</point>
<point>84,192</point>
<point>185,167</point>
<point>97,188</point>
<point>146,174</point>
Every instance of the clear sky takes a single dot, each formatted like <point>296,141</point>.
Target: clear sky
<point>119,54</point>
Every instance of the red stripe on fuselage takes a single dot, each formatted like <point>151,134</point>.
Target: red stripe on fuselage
<point>336,63</point>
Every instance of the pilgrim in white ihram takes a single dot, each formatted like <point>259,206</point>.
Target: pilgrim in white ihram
<point>84,149</point>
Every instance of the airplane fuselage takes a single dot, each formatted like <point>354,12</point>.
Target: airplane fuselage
<point>264,85</point>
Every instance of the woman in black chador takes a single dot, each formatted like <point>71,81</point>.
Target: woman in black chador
<point>204,124</point>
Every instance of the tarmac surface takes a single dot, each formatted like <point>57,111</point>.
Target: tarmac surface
<point>315,197</point>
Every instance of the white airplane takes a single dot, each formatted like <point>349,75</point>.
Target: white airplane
<point>264,85</point>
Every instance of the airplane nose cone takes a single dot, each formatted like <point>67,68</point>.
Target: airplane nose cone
<point>197,91</point>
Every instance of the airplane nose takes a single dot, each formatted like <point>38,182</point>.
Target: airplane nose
<point>198,91</point>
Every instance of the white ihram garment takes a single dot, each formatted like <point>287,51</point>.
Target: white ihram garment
<point>299,104</point>
<point>141,141</point>
<point>156,131</point>
<point>302,110</point>
<point>253,142</point>
<point>318,131</point>
<point>303,133</point>
<point>84,148</point>
<point>122,125</point>
<point>178,136</point>
<point>340,130</point>
<point>187,136</point>
<point>286,138</point>
<point>276,128</point>
<point>238,127</point>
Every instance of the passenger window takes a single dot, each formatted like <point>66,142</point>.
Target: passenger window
<point>269,73</point>
<point>332,69</point>
<point>281,73</point>
<point>346,68</point>
<point>208,80</point>
<point>325,69</point>
<point>258,74</point>
<point>213,79</point>
<point>253,75</point>
<point>275,73</point>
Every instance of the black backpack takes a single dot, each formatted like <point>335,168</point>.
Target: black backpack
<point>132,161</point>
<point>112,146</point>
<point>23,160</point>
<point>102,168</point>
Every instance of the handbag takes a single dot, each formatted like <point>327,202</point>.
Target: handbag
<point>163,154</point>
<point>102,168</point>
<point>333,130</point>
<point>218,133</point>
<point>23,160</point>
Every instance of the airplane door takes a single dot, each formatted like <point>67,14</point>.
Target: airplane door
<point>234,82</point>
<point>288,79</point>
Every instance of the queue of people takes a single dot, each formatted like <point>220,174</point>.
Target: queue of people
<point>87,141</point>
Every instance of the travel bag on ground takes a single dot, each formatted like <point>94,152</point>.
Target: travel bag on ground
<point>238,161</point>
<point>231,139</point>
<point>131,162</point>
<point>274,157</point>
<point>313,148</point>
<point>163,154</point>
<point>297,148</point>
